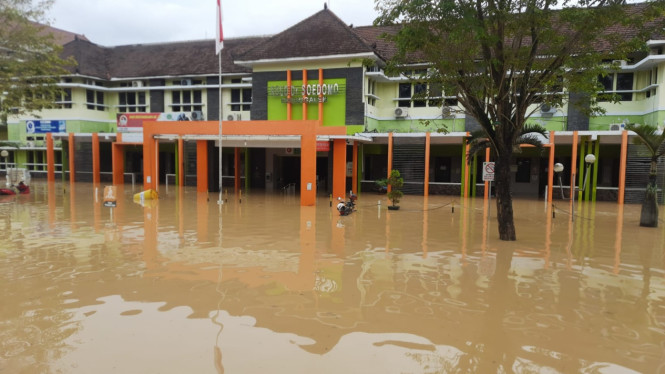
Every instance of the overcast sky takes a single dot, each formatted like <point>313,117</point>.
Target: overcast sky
<point>120,22</point>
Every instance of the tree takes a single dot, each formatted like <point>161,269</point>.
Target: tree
<point>502,59</point>
<point>654,140</point>
<point>30,65</point>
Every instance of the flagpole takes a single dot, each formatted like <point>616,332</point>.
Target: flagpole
<point>219,45</point>
<point>220,201</point>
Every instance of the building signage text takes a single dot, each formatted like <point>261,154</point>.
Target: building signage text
<point>306,93</point>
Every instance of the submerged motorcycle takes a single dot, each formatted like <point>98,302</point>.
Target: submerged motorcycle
<point>346,207</point>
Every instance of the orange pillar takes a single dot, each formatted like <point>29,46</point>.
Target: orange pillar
<point>354,176</point>
<point>390,156</point>
<point>236,170</point>
<point>428,140</point>
<point>96,176</point>
<point>118,160</point>
<point>181,162</point>
<point>466,169</point>
<point>304,94</point>
<point>308,169</point>
<point>50,158</point>
<point>622,167</point>
<point>149,173</point>
<point>487,183</point>
<point>72,159</point>
<point>339,168</point>
<point>201,165</point>
<point>550,170</point>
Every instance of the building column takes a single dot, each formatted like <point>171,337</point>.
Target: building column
<point>487,183</point>
<point>308,170</point>
<point>428,140</point>
<point>50,158</point>
<point>550,170</point>
<point>201,165</point>
<point>118,160</point>
<point>96,176</point>
<point>180,171</point>
<point>573,166</point>
<point>236,169</point>
<point>622,168</point>
<point>339,168</point>
<point>149,163</point>
<point>594,184</point>
<point>354,177</point>
<point>390,156</point>
<point>72,158</point>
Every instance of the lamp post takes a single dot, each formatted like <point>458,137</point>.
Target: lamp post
<point>589,160</point>
<point>558,168</point>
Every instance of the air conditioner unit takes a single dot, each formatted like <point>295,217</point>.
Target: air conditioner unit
<point>401,112</point>
<point>547,109</point>
<point>447,112</point>
<point>197,116</point>
<point>137,84</point>
<point>186,82</point>
<point>617,126</point>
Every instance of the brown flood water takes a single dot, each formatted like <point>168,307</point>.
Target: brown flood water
<point>263,285</point>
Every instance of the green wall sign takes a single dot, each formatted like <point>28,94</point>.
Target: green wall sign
<point>332,93</point>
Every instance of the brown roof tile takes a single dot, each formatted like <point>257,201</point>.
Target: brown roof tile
<point>322,34</point>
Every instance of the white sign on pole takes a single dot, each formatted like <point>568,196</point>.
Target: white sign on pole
<point>488,171</point>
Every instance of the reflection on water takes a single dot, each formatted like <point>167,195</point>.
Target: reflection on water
<point>264,285</point>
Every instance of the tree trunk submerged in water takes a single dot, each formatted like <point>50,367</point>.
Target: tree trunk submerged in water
<point>649,213</point>
<point>504,199</point>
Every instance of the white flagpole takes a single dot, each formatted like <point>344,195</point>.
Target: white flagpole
<point>219,45</point>
<point>220,201</point>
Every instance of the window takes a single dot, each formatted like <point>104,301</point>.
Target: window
<point>64,100</point>
<point>241,98</point>
<point>652,79</point>
<point>625,83</point>
<point>422,94</point>
<point>132,102</point>
<point>94,100</point>
<point>187,101</point>
<point>615,83</point>
<point>371,92</point>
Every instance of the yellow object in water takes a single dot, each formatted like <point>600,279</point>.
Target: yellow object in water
<point>146,195</point>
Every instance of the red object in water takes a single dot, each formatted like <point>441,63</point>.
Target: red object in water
<point>21,189</point>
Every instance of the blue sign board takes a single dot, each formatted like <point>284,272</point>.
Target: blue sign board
<point>42,127</point>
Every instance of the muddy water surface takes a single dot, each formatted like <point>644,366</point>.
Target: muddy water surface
<point>262,285</point>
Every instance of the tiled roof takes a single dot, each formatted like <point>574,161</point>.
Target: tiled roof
<point>322,34</point>
<point>60,37</point>
<point>145,60</point>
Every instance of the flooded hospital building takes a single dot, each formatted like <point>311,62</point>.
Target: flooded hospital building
<point>274,280</point>
<point>303,110</point>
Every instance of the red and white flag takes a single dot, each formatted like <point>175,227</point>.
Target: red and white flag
<point>220,33</point>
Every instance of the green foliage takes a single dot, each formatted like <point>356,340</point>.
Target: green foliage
<point>395,181</point>
<point>502,58</point>
<point>30,65</point>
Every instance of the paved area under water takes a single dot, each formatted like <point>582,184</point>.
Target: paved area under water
<point>262,285</point>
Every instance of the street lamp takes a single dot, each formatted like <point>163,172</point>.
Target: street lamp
<point>558,168</point>
<point>589,160</point>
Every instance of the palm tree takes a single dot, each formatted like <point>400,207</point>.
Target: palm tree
<point>654,140</point>
<point>530,134</point>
